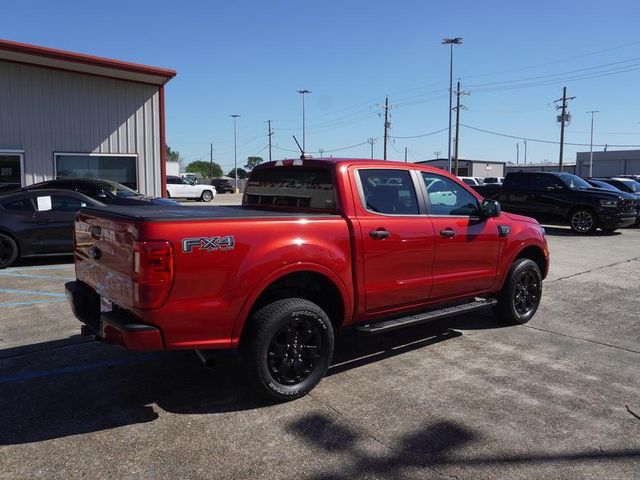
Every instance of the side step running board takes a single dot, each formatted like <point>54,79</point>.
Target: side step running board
<point>386,325</point>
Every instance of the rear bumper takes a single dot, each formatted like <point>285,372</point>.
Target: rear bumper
<point>116,327</point>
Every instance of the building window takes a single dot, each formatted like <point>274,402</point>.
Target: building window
<point>10,171</point>
<point>117,168</point>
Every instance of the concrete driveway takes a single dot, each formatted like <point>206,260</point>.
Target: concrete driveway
<point>468,398</point>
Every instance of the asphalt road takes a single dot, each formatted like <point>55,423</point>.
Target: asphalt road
<point>468,398</point>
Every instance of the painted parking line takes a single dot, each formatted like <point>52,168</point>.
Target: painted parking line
<point>75,368</point>
<point>40,267</point>
<point>26,275</point>
<point>31,292</point>
<point>31,302</point>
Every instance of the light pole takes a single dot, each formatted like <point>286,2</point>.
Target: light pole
<point>592,112</point>
<point>304,144</point>
<point>235,149</point>
<point>517,153</point>
<point>451,42</point>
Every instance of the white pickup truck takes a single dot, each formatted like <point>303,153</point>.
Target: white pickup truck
<point>178,187</point>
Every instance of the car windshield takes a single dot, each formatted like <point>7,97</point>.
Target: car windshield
<point>632,185</point>
<point>604,185</point>
<point>120,190</point>
<point>573,181</point>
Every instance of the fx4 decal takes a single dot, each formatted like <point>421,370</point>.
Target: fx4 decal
<point>208,244</point>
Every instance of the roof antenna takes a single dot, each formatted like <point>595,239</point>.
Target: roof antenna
<point>303,155</point>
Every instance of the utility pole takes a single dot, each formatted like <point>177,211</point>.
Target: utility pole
<point>211,162</point>
<point>592,112</point>
<point>270,134</point>
<point>386,125</point>
<point>517,153</point>
<point>525,151</point>
<point>405,154</point>
<point>437,154</point>
<point>457,109</point>
<point>564,116</point>
<point>371,141</point>
<point>304,128</point>
<point>235,150</point>
<point>451,42</point>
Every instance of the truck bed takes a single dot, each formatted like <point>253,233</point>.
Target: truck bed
<point>169,214</point>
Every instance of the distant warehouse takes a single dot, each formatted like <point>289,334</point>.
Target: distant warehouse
<point>65,114</point>
<point>470,168</point>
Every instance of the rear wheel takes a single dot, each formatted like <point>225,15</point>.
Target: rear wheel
<point>583,221</point>
<point>288,348</point>
<point>206,196</point>
<point>8,251</point>
<point>520,296</point>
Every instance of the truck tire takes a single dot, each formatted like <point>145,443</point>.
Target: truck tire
<point>8,251</point>
<point>288,348</point>
<point>520,296</point>
<point>583,221</point>
<point>206,196</point>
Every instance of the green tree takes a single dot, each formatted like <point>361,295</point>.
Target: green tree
<point>242,173</point>
<point>253,162</point>
<point>172,155</point>
<point>202,167</point>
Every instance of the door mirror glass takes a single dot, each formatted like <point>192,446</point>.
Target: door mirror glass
<point>490,208</point>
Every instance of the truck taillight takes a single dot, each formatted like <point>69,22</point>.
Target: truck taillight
<point>153,273</point>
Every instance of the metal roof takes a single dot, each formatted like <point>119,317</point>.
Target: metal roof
<point>82,63</point>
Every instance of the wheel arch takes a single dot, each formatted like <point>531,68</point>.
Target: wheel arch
<point>13,237</point>
<point>310,281</point>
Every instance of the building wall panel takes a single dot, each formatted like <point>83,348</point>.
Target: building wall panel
<point>43,111</point>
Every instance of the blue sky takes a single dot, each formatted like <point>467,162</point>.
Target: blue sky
<point>250,58</point>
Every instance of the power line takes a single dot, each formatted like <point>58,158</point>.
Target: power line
<point>423,134</point>
<point>538,140</point>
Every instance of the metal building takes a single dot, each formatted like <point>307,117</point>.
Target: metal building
<point>470,168</point>
<point>65,114</point>
<point>609,163</point>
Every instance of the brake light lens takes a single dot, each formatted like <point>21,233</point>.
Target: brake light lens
<point>153,273</point>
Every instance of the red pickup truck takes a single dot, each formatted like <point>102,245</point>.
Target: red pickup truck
<point>317,245</point>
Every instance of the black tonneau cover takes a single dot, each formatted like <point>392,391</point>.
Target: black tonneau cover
<point>170,214</point>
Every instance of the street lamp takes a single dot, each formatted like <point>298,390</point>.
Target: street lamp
<point>451,42</point>
<point>304,147</point>
<point>592,112</point>
<point>235,150</point>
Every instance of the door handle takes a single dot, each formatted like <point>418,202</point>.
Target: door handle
<point>448,233</point>
<point>379,234</point>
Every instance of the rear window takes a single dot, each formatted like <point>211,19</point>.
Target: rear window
<point>295,187</point>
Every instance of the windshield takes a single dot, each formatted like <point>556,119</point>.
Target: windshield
<point>604,185</point>
<point>632,185</point>
<point>120,190</point>
<point>573,181</point>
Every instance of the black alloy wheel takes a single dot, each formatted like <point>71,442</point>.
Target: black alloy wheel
<point>583,221</point>
<point>287,346</point>
<point>8,251</point>
<point>521,294</point>
<point>294,351</point>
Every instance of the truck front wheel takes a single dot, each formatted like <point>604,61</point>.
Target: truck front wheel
<point>520,296</point>
<point>288,348</point>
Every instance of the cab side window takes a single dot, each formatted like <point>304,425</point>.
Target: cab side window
<point>22,206</point>
<point>388,191</point>
<point>447,197</point>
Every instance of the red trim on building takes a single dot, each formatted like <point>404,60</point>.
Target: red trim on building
<point>163,147</point>
<point>85,59</point>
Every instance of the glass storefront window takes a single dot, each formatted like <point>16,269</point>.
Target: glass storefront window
<point>10,172</point>
<point>117,168</point>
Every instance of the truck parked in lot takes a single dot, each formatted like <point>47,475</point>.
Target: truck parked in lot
<point>317,245</point>
<point>562,199</point>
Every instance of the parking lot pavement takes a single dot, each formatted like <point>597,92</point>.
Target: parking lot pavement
<point>468,398</point>
<point>221,199</point>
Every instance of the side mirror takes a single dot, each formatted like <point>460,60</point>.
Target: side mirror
<point>491,208</point>
<point>101,194</point>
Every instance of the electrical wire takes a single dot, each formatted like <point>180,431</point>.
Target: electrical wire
<point>422,135</point>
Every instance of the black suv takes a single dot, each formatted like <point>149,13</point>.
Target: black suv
<point>566,199</point>
<point>223,185</point>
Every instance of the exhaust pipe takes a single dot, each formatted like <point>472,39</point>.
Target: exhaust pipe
<point>206,359</point>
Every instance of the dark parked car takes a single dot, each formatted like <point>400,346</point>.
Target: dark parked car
<point>223,185</point>
<point>566,199</point>
<point>38,222</point>
<point>105,191</point>
<point>608,186</point>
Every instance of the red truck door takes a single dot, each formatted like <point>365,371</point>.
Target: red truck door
<point>466,244</point>
<point>397,241</point>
